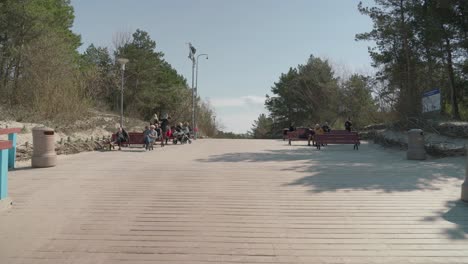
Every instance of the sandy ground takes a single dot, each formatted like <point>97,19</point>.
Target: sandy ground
<point>237,201</point>
<point>428,138</point>
<point>77,137</point>
<point>26,135</point>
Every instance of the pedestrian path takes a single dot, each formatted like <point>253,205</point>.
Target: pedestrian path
<point>237,201</point>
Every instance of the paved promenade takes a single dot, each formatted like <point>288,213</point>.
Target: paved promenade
<point>237,201</point>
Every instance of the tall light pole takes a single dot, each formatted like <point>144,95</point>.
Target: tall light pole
<point>122,62</point>
<point>192,58</point>
<point>196,93</point>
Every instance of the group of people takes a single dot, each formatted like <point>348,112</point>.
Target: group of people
<point>161,130</point>
<point>158,130</point>
<point>320,130</point>
<point>325,128</point>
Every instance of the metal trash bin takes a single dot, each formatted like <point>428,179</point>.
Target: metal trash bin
<point>416,149</point>
<point>43,148</point>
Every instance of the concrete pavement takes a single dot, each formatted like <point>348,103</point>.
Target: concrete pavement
<point>237,201</point>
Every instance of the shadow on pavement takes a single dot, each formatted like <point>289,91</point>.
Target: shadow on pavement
<point>23,168</point>
<point>371,168</point>
<point>339,167</point>
<point>456,212</point>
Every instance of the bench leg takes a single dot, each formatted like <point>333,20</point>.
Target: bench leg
<point>12,151</point>
<point>3,173</point>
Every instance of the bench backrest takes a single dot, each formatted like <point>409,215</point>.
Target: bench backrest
<point>134,138</point>
<point>350,137</point>
<point>300,132</point>
<point>340,132</point>
<point>6,131</point>
<point>5,144</point>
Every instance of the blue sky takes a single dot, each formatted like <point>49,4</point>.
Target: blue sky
<point>250,43</point>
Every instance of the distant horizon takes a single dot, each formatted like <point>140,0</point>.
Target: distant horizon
<point>250,43</point>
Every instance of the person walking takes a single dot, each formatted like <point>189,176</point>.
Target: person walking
<point>164,127</point>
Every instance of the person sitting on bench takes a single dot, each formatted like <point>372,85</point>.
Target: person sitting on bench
<point>158,130</point>
<point>348,125</point>
<point>150,137</point>
<point>121,137</point>
<point>326,128</point>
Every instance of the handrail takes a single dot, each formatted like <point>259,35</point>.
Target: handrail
<point>6,131</point>
<point>5,144</point>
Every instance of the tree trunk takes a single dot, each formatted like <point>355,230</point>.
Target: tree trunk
<point>16,78</point>
<point>427,49</point>
<point>409,102</point>
<point>453,86</point>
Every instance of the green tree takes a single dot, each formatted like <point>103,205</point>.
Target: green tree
<point>262,127</point>
<point>357,101</point>
<point>49,87</point>
<point>396,54</point>
<point>305,95</point>
<point>420,45</point>
<point>99,77</point>
<point>152,85</point>
<point>21,24</point>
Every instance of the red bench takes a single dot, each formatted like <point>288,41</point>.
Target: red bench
<point>339,132</point>
<point>301,133</point>
<point>338,138</point>
<point>134,138</point>
<point>285,133</point>
<point>12,136</point>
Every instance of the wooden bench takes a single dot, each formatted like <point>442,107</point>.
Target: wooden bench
<point>338,132</point>
<point>134,138</point>
<point>338,138</point>
<point>5,146</point>
<point>12,136</point>
<point>285,133</point>
<point>301,133</point>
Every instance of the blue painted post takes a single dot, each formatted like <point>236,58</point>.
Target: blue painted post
<point>3,173</point>
<point>12,151</point>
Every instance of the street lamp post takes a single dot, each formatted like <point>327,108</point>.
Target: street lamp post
<point>192,58</point>
<point>122,62</point>
<point>196,93</point>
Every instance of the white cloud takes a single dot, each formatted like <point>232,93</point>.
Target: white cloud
<point>237,114</point>
<point>249,100</point>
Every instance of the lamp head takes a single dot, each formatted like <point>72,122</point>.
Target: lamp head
<point>123,61</point>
